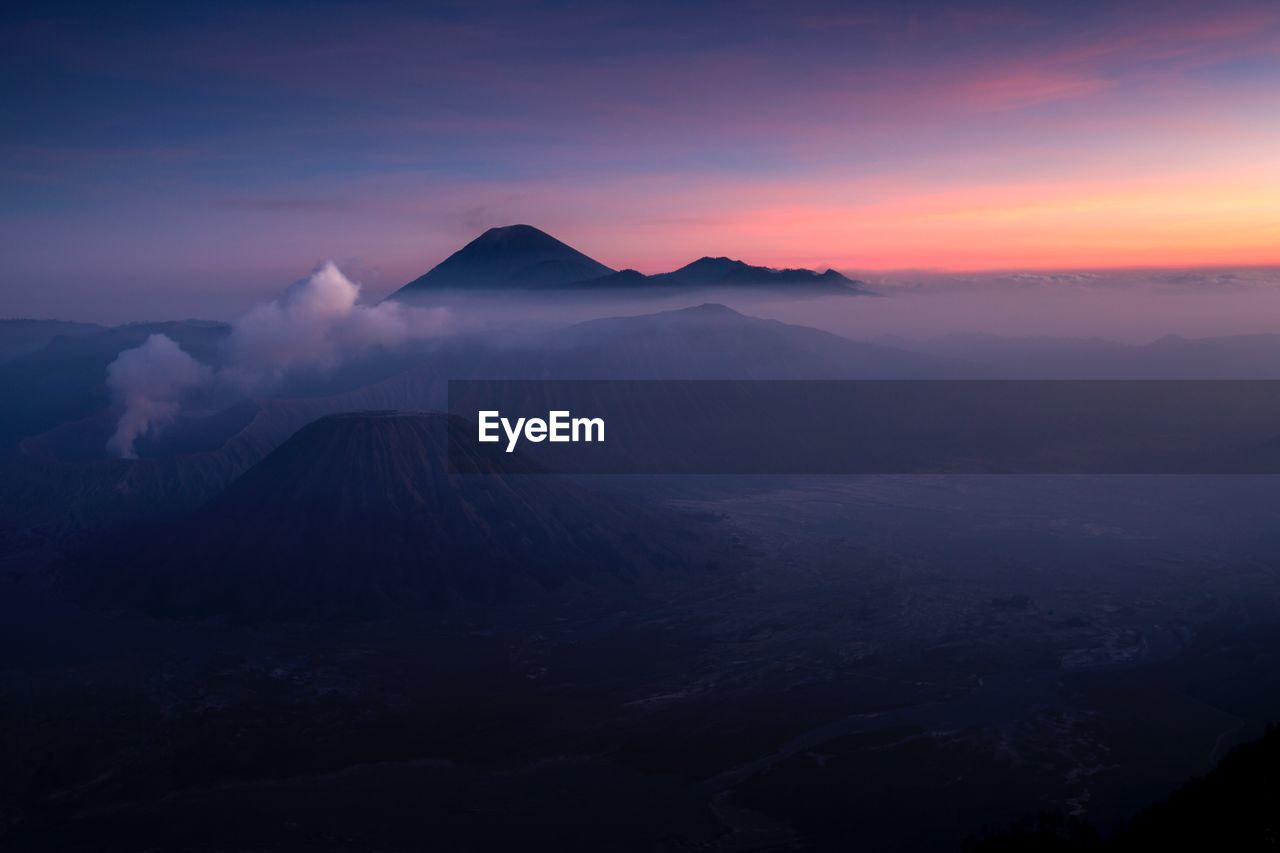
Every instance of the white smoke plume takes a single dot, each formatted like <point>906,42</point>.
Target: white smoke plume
<point>314,325</point>
<point>149,382</point>
<point>317,323</point>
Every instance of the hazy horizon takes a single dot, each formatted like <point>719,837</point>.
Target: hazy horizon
<point>1129,305</point>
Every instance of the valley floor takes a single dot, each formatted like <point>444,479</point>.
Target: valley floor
<point>891,662</point>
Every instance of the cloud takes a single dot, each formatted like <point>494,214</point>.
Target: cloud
<point>1015,88</point>
<point>316,324</point>
<point>149,381</point>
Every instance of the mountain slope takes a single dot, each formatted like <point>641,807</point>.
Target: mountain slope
<point>717,272</point>
<point>358,516</point>
<point>709,341</point>
<point>514,256</point>
<point>706,273</point>
<point>712,341</point>
<point>1232,807</point>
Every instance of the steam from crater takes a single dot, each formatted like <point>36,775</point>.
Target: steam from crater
<point>316,324</point>
<point>150,381</point>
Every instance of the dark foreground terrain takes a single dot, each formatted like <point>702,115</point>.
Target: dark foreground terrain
<point>883,663</point>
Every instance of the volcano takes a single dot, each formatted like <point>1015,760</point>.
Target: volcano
<point>358,516</point>
<point>514,256</point>
<point>521,257</point>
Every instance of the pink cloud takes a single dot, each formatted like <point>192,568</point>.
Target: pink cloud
<point>1015,88</point>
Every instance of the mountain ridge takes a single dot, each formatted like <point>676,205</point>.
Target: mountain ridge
<point>522,257</point>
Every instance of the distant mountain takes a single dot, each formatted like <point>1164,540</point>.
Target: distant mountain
<point>520,257</point>
<point>515,256</point>
<point>357,516</point>
<point>620,279</point>
<point>712,341</point>
<point>727,273</point>
<point>20,337</point>
<point>709,341</point>
<point>716,272</point>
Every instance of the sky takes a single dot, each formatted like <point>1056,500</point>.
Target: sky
<point>162,158</point>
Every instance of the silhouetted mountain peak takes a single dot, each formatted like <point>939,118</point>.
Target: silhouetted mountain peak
<point>708,265</point>
<point>716,271</point>
<point>519,238</point>
<point>712,309</point>
<point>510,257</point>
